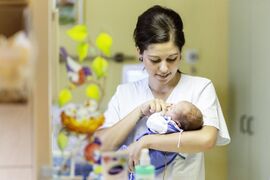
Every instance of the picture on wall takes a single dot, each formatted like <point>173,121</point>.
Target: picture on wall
<point>70,11</point>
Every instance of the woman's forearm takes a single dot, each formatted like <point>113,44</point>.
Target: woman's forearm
<point>191,141</point>
<point>112,137</point>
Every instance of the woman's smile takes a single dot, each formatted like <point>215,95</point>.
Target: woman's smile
<point>163,77</point>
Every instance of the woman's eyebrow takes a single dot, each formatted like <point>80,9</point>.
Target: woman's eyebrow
<point>175,54</point>
<point>153,56</point>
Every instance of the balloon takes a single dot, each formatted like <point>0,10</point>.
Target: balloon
<point>100,66</point>
<point>93,91</point>
<point>78,33</point>
<point>104,43</point>
<point>64,97</point>
<point>62,140</point>
<point>82,50</point>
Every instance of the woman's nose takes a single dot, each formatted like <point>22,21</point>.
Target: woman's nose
<point>163,67</point>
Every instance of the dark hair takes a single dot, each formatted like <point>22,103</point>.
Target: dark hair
<point>158,25</point>
<point>192,120</point>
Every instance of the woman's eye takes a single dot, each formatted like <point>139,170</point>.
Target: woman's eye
<point>171,59</point>
<point>155,60</point>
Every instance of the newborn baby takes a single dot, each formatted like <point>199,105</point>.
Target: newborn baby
<point>183,116</point>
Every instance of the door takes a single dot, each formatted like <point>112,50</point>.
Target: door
<point>260,90</point>
<point>239,66</point>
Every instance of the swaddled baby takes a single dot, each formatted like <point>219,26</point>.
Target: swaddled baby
<point>183,116</point>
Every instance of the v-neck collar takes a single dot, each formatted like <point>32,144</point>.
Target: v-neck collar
<point>150,94</point>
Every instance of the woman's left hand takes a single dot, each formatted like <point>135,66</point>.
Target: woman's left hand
<point>134,151</point>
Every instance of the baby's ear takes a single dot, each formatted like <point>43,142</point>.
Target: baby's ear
<point>178,123</point>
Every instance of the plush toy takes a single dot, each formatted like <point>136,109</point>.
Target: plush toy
<point>92,151</point>
<point>15,67</point>
<point>77,74</point>
<point>80,119</point>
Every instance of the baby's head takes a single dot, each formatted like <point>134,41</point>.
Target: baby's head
<point>185,115</point>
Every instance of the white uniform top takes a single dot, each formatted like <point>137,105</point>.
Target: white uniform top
<point>197,90</point>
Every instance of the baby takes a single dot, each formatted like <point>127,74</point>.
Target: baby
<point>183,116</point>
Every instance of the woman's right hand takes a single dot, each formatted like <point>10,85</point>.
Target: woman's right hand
<point>152,106</point>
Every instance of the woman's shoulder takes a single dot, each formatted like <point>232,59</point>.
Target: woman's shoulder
<point>133,85</point>
<point>195,80</point>
<point>197,87</point>
<point>132,94</point>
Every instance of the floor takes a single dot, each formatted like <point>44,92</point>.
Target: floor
<point>16,138</point>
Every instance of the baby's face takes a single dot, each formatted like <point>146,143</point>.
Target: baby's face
<point>174,111</point>
<point>171,111</point>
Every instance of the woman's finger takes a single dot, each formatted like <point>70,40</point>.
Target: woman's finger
<point>130,165</point>
<point>158,105</point>
<point>163,107</point>
<point>152,106</point>
<point>155,105</point>
<point>135,162</point>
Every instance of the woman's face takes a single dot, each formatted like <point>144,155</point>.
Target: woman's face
<point>162,61</point>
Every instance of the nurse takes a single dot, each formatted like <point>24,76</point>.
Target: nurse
<point>159,38</point>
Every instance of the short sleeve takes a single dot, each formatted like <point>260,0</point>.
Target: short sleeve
<point>112,114</point>
<point>208,103</point>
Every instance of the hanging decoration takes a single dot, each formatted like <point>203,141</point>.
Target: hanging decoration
<point>82,120</point>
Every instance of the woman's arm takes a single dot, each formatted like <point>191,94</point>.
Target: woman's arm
<point>112,137</point>
<point>191,141</point>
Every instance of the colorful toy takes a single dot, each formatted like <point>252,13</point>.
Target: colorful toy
<point>82,120</point>
<point>77,74</point>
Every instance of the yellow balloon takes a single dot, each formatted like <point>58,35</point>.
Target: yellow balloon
<point>82,50</point>
<point>62,140</point>
<point>100,66</point>
<point>93,91</point>
<point>78,33</point>
<point>64,97</point>
<point>104,43</point>
<point>98,169</point>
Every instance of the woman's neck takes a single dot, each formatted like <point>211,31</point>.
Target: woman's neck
<point>164,90</point>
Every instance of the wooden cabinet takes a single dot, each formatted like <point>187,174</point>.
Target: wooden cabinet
<point>249,157</point>
<point>25,144</point>
<point>42,27</point>
<point>16,141</point>
<point>16,119</point>
<point>12,16</point>
<point>14,2</point>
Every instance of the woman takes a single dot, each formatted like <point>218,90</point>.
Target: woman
<point>159,39</point>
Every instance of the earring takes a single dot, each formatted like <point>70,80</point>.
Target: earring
<point>140,58</point>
